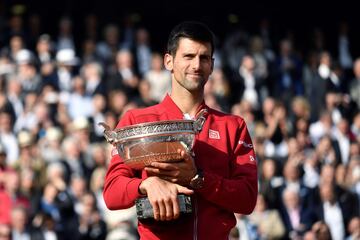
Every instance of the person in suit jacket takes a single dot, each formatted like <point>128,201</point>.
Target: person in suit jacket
<point>335,211</point>
<point>296,217</point>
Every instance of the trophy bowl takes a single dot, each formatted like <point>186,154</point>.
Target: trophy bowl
<point>141,144</point>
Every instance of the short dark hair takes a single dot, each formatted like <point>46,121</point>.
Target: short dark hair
<point>190,29</point>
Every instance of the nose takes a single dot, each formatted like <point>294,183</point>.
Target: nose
<point>195,63</point>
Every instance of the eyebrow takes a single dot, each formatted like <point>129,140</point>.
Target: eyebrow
<point>204,55</point>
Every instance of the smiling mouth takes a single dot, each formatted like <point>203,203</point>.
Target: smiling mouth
<point>197,75</point>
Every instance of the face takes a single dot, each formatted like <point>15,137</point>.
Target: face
<point>291,199</point>
<point>191,65</point>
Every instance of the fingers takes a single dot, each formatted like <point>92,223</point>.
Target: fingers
<point>156,210</point>
<point>168,178</point>
<point>165,209</point>
<point>184,190</point>
<point>164,166</point>
<point>176,208</point>
<point>163,174</point>
<point>186,155</point>
<point>162,211</point>
<point>169,214</point>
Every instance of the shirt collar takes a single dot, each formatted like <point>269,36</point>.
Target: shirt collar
<point>170,107</point>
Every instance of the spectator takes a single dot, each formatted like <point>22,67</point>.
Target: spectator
<point>44,49</point>
<point>79,104</point>
<point>65,35</point>
<point>8,138</point>
<point>296,216</point>
<point>142,51</point>
<point>158,78</point>
<point>50,145</point>
<point>332,212</point>
<point>355,83</point>
<point>10,196</point>
<point>30,158</point>
<point>5,232</point>
<point>92,73</point>
<point>3,165</point>
<point>354,229</point>
<point>288,73</point>
<point>61,78</point>
<point>107,49</point>
<point>321,230</point>
<point>19,224</point>
<point>26,71</point>
<point>91,225</point>
<point>268,222</point>
<point>124,76</point>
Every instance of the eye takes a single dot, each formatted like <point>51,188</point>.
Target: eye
<point>188,56</point>
<point>205,58</point>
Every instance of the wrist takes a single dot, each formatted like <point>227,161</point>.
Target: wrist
<point>142,189</point>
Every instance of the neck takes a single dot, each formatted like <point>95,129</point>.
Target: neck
<point>188,102</point>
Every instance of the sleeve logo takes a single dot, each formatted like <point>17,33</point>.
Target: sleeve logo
<point>248,145</point>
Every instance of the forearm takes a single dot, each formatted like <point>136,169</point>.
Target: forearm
<point>121,186</point>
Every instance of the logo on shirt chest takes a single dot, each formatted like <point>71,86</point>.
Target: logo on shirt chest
<point>213,134</point>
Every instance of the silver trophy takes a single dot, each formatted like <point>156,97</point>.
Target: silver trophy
<point>140,144</point>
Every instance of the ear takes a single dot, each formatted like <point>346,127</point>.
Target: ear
<point>168,62</point>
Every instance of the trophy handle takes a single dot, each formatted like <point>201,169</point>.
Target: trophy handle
<point>109,134</point>
<point>200,120</point>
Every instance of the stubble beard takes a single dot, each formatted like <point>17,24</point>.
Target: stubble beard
<point>192,86</point>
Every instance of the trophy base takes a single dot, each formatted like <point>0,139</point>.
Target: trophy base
<point>144,209</point>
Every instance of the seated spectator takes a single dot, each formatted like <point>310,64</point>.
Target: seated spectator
<point>56,202</point>
<point>269,182</point>
<point>333,212</point>
<point>354,229</point>
<point>293,180</point>
<point>19,227</point>
<point>3,165</point>
<point>296,217</point>
<point>311,175</point>
<point>268,222</point>
<point>277,131</point>
<point>327,151</point>
<point>321,230</point>
<point>10,196</point>
<point>96,187</point>
<point>323,126</point>
<point>158,78</point>
<point>5,232</point>
<point>91,225</point>
<point>50,145</point>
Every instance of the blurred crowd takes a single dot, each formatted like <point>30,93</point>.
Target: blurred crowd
<point>301,108</point>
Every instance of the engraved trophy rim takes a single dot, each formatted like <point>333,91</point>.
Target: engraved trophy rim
<point>154,128</point>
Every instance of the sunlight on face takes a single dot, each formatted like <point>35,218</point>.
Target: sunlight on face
<point>192,64</point>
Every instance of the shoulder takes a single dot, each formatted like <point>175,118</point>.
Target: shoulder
<point>147,114</point>
<point>227,117</point>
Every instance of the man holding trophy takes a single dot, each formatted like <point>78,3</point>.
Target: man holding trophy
<point>217,172</point>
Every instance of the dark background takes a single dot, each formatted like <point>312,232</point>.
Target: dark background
<point>298,18</point>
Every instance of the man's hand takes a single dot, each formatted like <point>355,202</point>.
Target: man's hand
<point>179,172</point>
<point>162,195</point>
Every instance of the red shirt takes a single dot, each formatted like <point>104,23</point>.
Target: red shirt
<point>224,152</point>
